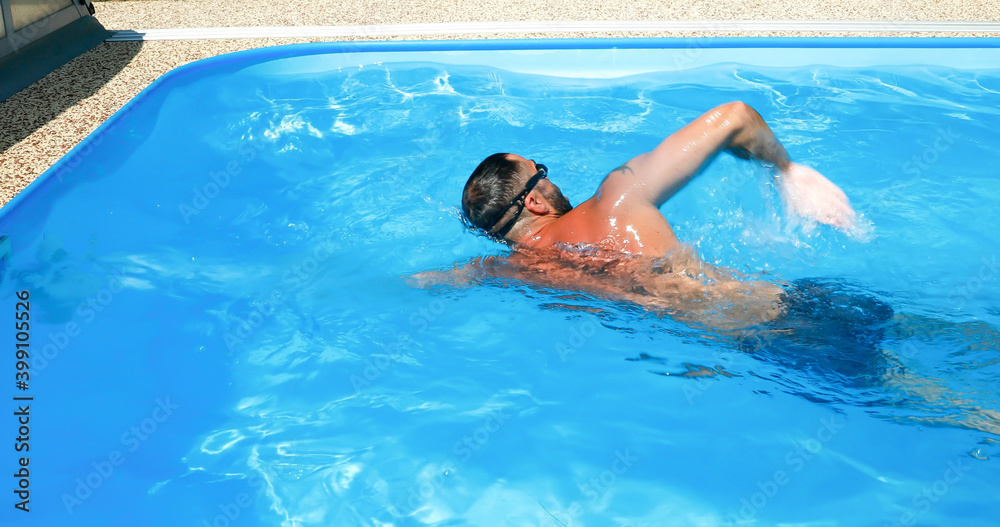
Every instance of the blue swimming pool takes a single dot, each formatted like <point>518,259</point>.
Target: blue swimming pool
<point>221,332</point>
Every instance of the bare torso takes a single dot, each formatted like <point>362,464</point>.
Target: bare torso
<point>617,243</point>
<point>624,248</point>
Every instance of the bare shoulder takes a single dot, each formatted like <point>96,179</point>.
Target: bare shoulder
<point>619,185</point>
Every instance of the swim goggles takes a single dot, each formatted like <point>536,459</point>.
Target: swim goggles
<point>543,173</point>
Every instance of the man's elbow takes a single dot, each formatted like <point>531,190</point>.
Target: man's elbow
<point>739,122</point>
<point>738,112</point>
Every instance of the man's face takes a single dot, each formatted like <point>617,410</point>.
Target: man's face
<point>549,191</point>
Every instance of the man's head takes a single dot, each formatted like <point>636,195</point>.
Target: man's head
<point>507,192</point>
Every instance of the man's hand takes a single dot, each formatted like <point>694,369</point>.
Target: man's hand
<point>808,194</point>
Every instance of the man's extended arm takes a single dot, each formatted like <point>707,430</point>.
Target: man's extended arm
<point>735,127</point>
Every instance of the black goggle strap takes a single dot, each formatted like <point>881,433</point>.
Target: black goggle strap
<point>519,201</point>
<point>510,223</point>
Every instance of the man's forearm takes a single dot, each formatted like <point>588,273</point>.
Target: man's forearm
<point>754,139</point>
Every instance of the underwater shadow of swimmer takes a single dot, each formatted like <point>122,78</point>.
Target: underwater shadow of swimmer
<point>834,333</point>
<point>830,328</point>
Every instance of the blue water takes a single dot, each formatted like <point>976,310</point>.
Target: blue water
<point>222,333</point>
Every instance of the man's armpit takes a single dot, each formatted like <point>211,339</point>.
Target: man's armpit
<point>622,171</point>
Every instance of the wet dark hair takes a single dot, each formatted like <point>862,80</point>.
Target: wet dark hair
<point>490,188</point>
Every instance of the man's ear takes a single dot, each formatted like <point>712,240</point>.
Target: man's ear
<point>536,203</point>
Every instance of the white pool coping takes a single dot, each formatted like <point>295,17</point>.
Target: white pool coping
<point>600,26</point>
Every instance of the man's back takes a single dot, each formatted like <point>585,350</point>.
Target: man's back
<point>627,226</point>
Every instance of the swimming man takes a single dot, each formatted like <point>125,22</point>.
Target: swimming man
<point>634,254</point>
<point>511,198</point>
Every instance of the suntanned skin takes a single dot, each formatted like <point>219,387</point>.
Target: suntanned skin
<point>623,217</point>
<point>638,258</point>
